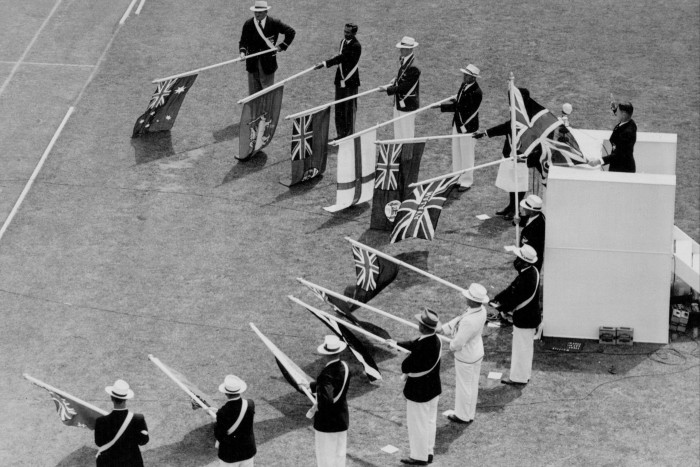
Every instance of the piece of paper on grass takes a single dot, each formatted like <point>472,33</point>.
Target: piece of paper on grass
<point>483,217</point>
<point>510,248</point>
<point>494,375</point>
<point>389,449</point>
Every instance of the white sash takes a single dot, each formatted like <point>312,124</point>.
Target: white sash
<point>244,407</point>
<point>342,388</point>
<point>413,88</point>
<point>537,285</point>
<point>471,117</point>
<point>344,77</point>
<point>423,373</point>
<point>267,41</point>
<point>119,434</point>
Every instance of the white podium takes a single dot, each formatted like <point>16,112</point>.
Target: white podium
<point>608,253</point>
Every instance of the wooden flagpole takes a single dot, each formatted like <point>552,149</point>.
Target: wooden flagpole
<point>379,125</point>
<point>364,305</point>
<point>349,325</point>
<point>321,107</point>
<point>216,65</point>
<point>423,139</point>
<point>48,387</point>
<point>196,398</point>
<point>514,156</point>
<point>274,86</point>
<point>406,265</point>
<point>452,174</point>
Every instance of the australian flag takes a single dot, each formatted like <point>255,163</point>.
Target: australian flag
<point>164,106</point>
<point>418,215</point>
<point>309,146</point>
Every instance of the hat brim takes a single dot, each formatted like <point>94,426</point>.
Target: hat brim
<point>517,253</point>
<point>523,204</point>
<point>253,8</point>
<point>419,317</point>
<point>474,299</point>
<point>222,388</point>
<point>129,393</point>
<point>403,46</point>
<point>467,72</point>
<point>322,350</point>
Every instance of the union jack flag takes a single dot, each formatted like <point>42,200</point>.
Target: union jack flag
<point>302,137</point>
<point>366,268</point>
<point>418,215</point>
<point>164,106</point>
<point>388,167</point>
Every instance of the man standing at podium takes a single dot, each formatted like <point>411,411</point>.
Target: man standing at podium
<point>624,135</point>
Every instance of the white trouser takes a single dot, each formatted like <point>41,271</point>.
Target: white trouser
<point>246,463</point>
<point>463,157</point>
<point>521,354</point>
<point>421,418</point>
<point>466,388</point>
<point>404,128</point>
<point>331,448</point>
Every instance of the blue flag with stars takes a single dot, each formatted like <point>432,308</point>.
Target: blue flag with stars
<point>164,105</point>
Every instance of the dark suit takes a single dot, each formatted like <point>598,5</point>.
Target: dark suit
<point>521,289</point>
<point>251,42</point>
<point>240,445</point>
<point>125,452</point>
<point>345,86</point>
<point>465,108</point>
<point>406,78</point>
<point>623,137</point>
<point>533,235</point>
<point>331,417</point>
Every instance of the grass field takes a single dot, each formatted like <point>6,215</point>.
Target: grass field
<point>168,245</point>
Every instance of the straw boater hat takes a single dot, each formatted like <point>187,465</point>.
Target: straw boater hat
<point>526,253</point>
<point>470,70</point>
<point>476,293</point>
<point>331,345</point>
<point>532,202</point>
<point>407,43</point>
<point>260,5</point>
<point>428,318</point>
<point>232,385</point>
<point>120,390</point>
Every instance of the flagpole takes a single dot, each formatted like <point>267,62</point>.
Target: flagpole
<point>452,174</point>
<point>379,125</point>
<point>364,305</point>
<point>48,387</point>
<point>160,365</point>
<point>188,73</point>
<point>423,139</point>
<point>406,265</point>
<point>349,325</point>
<point>320,107</point>
<point>513,155</point>
<point>274,86</point>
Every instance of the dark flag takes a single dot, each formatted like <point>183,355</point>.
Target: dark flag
<point>356,162</point>
<point>164,106</point>
<point>354,344</point>
<point>560,149</point>
<point>418,215</point>
<point>309,146</point>
<point>397,168</point>
<point>258,122</point>
<point>71,410</point>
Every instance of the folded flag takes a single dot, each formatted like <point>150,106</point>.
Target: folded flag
<point>397,167</point>
<point>164,106</point>
<point>258,122</point>
<point>356,162</point>
<point>418,215</point>
<point>71,410</point>
<point>354,344</point>
<point>561,149</point>
<point>198,398</point>
<point>309,146</point>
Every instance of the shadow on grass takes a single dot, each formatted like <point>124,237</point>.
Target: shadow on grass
<point>493,227</point>
<point>375,238</point>
<point>152,146</point>
<point>299,189</point>
<point>83,456</point>
<point>245,168</point>
<point>496,399</point>
<point>349,214</point>
<point>445,435</point>
<point>227,133</point>
<point>408,278</point>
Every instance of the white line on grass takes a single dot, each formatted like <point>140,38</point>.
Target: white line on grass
<point>138,10</point>
<point>31,43</point>
<point>127,12</point>
<point>48,64</point>
<point>37,169</point>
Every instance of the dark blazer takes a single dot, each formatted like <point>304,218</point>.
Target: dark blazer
<point>346,60</point>
<point>240,445</point>
<point>407,76</point>
<point>467,104</point>
<point>125,452</point>
<point>521,289</point>
<point>251,42</point>
<point>424,353</point>
<point>331,417</point>
<point>533,235</point>
<point>623,137</point>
